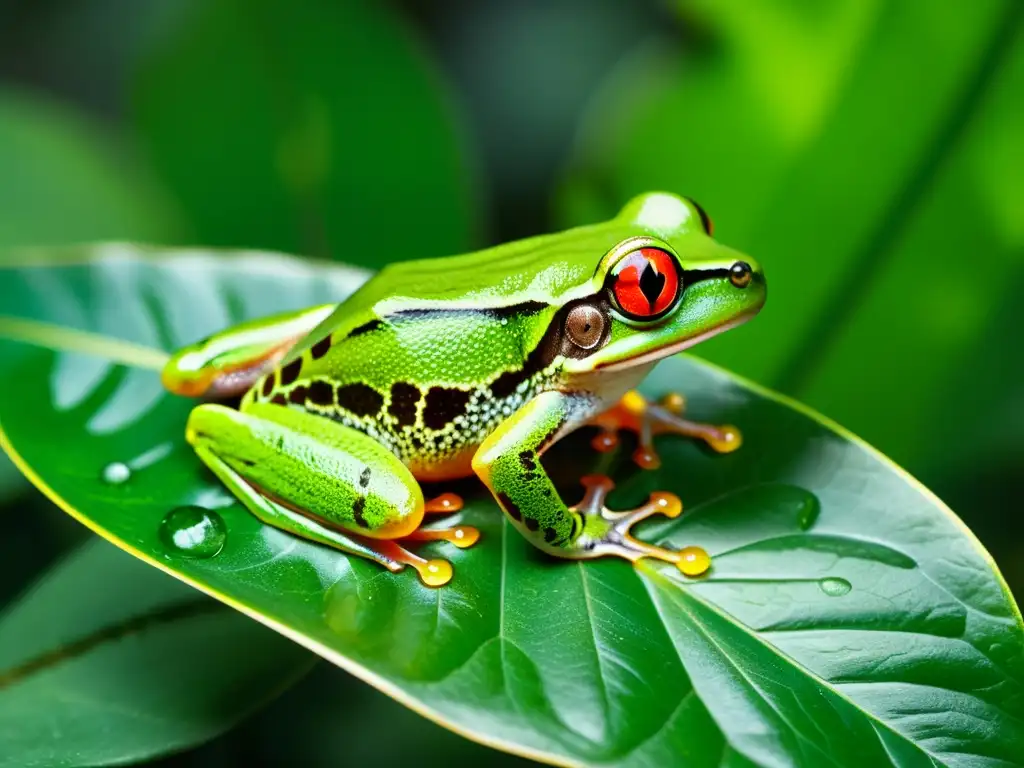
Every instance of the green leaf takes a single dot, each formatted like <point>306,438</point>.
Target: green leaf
<point>62,182</point>
<point>318,129</point>
<point>849,617</point>
<point>968,237</point>
<point>302,728</point>
<point>108,661</point>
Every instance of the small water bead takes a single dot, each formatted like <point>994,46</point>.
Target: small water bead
<point>808,513</point>
<point>193,532</point>
<point>116,473</point>
<point>693,561</point>
<point>833,586</point>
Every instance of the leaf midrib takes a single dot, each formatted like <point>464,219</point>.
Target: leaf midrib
<point>132,625</point>
<point>861,274</point>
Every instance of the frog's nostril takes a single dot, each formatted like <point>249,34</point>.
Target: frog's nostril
<point>740,274</point>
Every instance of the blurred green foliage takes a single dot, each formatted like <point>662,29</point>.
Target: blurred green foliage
<point>868,152</point>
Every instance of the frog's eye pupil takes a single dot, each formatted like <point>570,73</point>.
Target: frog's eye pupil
<point>585,325</point>
<point>645,283</point>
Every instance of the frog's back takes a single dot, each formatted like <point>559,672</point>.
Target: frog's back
<point>430,356</point>
<point>428,377</point>
<point>429,384</point>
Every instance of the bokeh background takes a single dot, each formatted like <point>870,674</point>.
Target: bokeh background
<point>870,153</point>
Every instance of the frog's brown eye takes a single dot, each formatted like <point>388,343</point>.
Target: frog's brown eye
<point>585,326</point>
<point>705,220</point>
<point>645,283</point>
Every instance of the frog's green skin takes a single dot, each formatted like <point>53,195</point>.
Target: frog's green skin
<point>439,368</point>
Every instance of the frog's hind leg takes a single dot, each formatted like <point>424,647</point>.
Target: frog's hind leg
<point>636,413</point>
<point>230,362</point>
<point>317,479</point>
<point>281,517</point>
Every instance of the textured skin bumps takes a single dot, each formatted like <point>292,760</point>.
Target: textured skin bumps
<point>402,380</point>
<point>509,462</point>
<point>315,465</point>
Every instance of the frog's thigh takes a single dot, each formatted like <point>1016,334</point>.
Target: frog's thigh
<point>230,362</point>
<point>333,476</point>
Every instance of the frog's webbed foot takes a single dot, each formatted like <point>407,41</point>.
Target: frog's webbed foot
<point>648,419</point>
<point>394,557</point>
<point>606,532</point>
<point>462,536</point>
<point>437,572</point>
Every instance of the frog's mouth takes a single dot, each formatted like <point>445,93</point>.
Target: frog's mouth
<point>672,348</point>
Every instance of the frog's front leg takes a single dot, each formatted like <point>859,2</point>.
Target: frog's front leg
<point>320,480</point>
<point>636,413</point>
<point>509,464</point>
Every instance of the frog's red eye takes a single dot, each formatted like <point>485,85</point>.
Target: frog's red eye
<point>645,283</point>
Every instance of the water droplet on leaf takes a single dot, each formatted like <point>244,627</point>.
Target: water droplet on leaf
<point>116,473</point>
<point>833,586</point>
<point>808,513</point>
<point>193,532</point>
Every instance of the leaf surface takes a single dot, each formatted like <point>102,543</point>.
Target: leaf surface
<point>849,618</point>
<point>106,660</point>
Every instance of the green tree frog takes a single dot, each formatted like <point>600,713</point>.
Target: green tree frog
<point>441,368</point>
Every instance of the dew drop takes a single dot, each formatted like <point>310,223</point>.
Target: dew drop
<point>193,532</point>
<point>116,473</point>
<point>833,586</point>
<point>808,512</point>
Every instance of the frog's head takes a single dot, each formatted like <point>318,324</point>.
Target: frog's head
<point>665,286</point>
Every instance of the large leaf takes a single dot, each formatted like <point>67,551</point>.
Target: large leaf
<point>848,618</point>
<point>960,320</point>
<point>63,181</point>
<point>316,128</point>
<point>107,661</point>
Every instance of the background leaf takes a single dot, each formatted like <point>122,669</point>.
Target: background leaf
<point>848,615</point>
<point>63,181</point>
<point>263,120</point>
<point>106,661</point>
<point>794,125</point>
<point>302,728</point>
